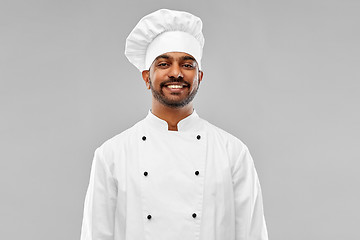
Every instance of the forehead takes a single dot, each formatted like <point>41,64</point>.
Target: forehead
<point>175,56</point>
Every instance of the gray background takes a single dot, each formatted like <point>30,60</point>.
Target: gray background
<point>283,76</point>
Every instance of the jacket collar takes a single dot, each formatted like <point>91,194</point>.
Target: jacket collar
<point>191,123</point>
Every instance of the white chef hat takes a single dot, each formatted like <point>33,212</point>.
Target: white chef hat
<point>164,31</point>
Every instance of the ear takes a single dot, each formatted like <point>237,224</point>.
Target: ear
<point>145,76</point>
<point>201,74</point>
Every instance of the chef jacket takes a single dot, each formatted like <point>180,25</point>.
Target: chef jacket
<point>197,183</point>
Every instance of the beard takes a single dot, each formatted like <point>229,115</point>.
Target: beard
<point>160,96</point>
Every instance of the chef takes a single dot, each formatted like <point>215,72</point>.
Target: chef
<point>173,175</point>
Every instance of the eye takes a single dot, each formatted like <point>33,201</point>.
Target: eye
<point>162,64</point>
<point>187,65</point>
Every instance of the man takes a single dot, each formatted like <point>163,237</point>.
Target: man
<point>172,175</point>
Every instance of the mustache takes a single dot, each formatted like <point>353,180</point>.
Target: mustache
<point>174,80</point>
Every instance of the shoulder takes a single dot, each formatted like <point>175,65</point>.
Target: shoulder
<point>235,148</point>
<point>238,153</point>
<point>120,141</point>
<point>231,141</point>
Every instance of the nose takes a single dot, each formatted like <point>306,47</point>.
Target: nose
<point>175,71</point>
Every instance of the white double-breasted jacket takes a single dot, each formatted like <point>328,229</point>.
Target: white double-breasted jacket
<point>197,183</point>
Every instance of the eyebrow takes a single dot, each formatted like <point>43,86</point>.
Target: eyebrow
<point>184,58</point>
<point>188,58</point>
<point>162,56</point>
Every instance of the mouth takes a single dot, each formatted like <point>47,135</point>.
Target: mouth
<point>175,87</point>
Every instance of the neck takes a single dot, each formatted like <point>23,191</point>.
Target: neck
<point>171,115</point>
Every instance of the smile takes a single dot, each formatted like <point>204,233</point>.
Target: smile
<point>175,86</point>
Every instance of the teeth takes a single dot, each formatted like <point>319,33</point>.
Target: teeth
<point>175,86</point>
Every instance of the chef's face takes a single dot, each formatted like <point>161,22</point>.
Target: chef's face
<point>174,79</point>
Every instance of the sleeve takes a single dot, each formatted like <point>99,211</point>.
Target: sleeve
<point>250,221</point>
<point>100,202</point>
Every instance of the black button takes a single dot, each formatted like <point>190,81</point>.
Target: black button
<point>149,217</point>
<point>194,215</point>
<point>198,137</point>
<point>145,174</point>
<point>143,138</point>
<point>196,172</point>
